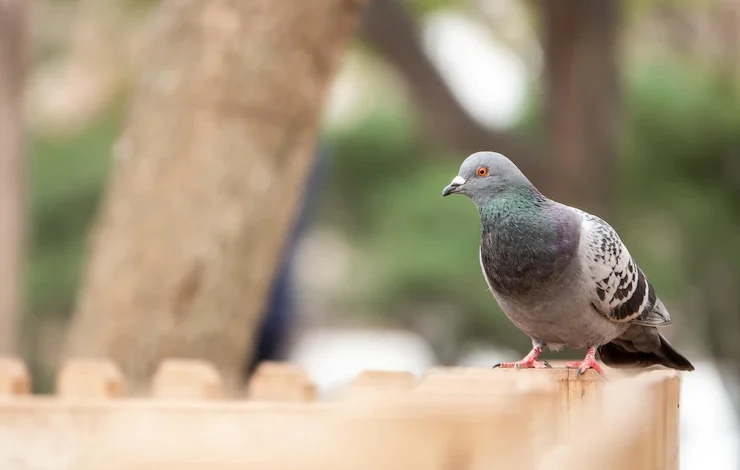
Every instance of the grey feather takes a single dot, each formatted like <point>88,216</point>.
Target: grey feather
<point>621,290</point>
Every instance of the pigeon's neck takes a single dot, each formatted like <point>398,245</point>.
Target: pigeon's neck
<point>523,203</point>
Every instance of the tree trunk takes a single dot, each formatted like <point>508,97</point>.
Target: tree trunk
<point>582,96</point>
<point>13,61</point>
<point>210,165</point>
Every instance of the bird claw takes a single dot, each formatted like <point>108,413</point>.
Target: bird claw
<point>589,362</point>
<point>528,362</point>
<point>523,364</point>
<point>582,370</point>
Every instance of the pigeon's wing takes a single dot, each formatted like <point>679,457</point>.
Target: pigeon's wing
<point>620,290</point>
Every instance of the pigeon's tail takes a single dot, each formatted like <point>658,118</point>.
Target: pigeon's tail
<point>619,354</point>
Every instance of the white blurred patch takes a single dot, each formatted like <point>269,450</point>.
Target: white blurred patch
<point>333,357</point>
<point>488,79</point>
<point>709,430</point>
<point>356,89</point>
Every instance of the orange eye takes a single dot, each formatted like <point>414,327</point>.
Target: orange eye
<point>482,171</point>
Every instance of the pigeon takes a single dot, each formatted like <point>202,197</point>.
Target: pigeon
<point>561,275</point>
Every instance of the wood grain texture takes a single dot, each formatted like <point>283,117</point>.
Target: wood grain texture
<point>86,379</point>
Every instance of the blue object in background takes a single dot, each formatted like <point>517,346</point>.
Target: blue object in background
<point>279,318</point>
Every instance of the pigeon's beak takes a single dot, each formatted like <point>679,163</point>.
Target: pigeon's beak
<point>452,187</point>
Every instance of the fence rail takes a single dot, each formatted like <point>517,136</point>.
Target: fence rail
<point>451,419</point>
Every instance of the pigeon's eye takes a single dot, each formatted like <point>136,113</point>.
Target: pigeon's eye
<point>482,171</point>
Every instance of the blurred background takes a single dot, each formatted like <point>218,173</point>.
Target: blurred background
<point>629,109</point>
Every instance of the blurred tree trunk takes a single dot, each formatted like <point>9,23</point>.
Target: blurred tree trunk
<point>13,61</point>
<point>212,160</point>
<point>582,100</point>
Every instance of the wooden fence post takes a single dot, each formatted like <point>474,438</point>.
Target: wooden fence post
<point>89,378</point>
<point>14,379</point>
<point>453,418</point>
<point>274,381</point>
<point>539,395</point>
<point>624,427</point>
<point>187,379</point>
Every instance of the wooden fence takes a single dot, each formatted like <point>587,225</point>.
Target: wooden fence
<point>451,419</point>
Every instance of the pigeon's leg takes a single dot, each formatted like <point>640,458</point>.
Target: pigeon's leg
<point>529,362</point>
<point>588,363</point>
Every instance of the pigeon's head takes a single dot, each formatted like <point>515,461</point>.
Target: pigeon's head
<point>485,174</point>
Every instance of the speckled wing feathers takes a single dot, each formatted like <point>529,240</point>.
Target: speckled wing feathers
<point>621,291</point>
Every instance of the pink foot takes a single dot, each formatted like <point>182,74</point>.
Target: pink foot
<point>529,362</point>
<point>589,362</point>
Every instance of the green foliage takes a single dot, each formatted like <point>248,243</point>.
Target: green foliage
<point>68,178</point>
<point>422,7</point>
<point>684,127</point>
<point>380,148</point>
<point>682,148</point>
<point>682,162</point>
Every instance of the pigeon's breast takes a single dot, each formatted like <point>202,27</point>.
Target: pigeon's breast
<point>526,260</point>
<point>557,313</point>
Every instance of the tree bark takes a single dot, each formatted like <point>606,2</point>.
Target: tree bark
<point>582,100</point>
<point>213,158</point>
<point>14,48</point>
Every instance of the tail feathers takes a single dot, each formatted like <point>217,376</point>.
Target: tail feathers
<point>624,356</point>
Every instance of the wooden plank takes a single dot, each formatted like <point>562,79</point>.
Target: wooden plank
<point>134,435</point>
<point>273,381</point>
<point>672,402</point>
<point>582,391</point>
<point>145,434</point>
<point>553,410</point>
<point>462,418</point>
<point>624,425</point>
<point>89,378</point>
<point>379,384</point>
<point>381,379</point>
<point>536,394</point>
<point>612,438</point>
<point>14,378</point>
<point>662,443</point>
<point>475,432</point>
<point>182,379</point>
